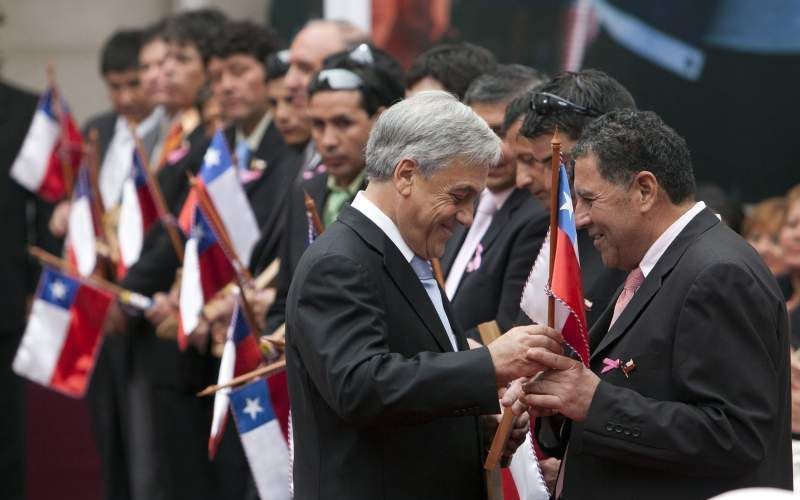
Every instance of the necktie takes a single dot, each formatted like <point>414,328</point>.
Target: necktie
<point>172,142</point>
<point>425,274</point>
<point>242,155</point>
<point>483,219</point>
<point>632,283</point>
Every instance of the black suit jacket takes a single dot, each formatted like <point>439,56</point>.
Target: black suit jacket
<point>599,283</point>
<point>381,406</point>
<point>24,215</point>
<point>105,124</point>
<point>295,240</point>
<point>510,246</point>
<point>707,408</point>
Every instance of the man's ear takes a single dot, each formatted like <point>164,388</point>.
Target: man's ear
<point>646,189</point>
<point>405,175</point>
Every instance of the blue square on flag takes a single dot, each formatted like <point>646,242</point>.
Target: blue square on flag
<point>216,160</point>
<point>252,406</point>
<point>57,289</point>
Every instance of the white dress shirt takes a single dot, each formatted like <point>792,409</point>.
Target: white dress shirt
<point>663,242</point>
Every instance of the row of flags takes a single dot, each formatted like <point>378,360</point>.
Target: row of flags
<point>64,331</point>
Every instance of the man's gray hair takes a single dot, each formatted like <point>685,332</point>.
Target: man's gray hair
<point>433,128</point>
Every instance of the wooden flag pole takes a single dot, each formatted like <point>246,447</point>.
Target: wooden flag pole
<point>263,371</point>
<point>92,156</point>
<point>503,430</point>
<point>239,269</point>
<point>126,297</point>
<point>311,210</point>
<point>64,150</point>
<point>167,220</point>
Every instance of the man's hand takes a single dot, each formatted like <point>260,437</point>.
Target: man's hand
<point>567,388</point>
<point>512,353</point>
<point>59,220</point>
<point>261,300</point>
<point>550,468</point>
<point>162,308</point>
<point>516,437</point>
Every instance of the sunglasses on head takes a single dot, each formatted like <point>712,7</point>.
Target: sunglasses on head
<point>545,103</point>
<point>337,79</point>
<point>361,54</point>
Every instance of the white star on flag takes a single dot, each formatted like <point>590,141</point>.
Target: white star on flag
<point>211,157</point>
<point>567,206</point>
<point>253,408</point>
<point>58,290</point>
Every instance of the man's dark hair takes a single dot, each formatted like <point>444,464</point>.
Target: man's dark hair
<point>121,52</point>
<point>382,76</point>
<point>277,64</point>
<point>245,37</point>
<point>589,88</point>
<point>626,142</point>
<point>505,83</point>
<point>454,65</point>
<point>198,27</point>
<point>517,108</point>
<point>153,32</point>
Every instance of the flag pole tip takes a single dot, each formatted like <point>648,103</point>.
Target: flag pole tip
<point>556,140</point>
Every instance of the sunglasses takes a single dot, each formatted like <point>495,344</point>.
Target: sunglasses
<point>336,79</point>
<point>361,54</point>
<point>545,104</point>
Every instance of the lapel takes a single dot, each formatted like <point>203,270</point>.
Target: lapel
<point>400,272</point>
<point>502,217</point>
<point>652,284</point>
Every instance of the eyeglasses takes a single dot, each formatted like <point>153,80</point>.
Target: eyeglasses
<point>545,103</point>
<point>336,79</point>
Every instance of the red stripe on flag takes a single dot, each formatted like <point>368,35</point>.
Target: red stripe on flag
<point>78,354</point>
<point>279,393</point>
<point>216,270</point>
<point>566,288</point>
<point>248,356</point>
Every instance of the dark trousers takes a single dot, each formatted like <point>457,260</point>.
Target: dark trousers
<point>12,421</point>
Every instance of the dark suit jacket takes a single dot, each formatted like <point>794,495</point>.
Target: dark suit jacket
<point>105,124</point>
<point>599,283</point>
<point>295,241</point>
<point>381,406</point>
<point>707,408</point>
<point>510,245</point>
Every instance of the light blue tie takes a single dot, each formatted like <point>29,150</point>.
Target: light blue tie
<point>243,154</point>
<point>425,274</point>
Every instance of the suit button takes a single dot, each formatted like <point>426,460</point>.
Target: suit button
<point>609,427</point>
<point>617,428</point>
<point>636,432</point>
<point>626,431</point>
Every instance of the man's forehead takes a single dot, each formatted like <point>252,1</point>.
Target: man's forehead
<point>314,43</point>
<point>335,101</point>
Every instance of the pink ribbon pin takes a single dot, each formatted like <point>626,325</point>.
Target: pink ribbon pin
<point>610,364</point>
<point>475,263</point>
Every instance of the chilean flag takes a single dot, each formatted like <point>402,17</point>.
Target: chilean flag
<point>81,229</point>
<point>206,270</point>
<point>63,334</point>
<point>264,446</point>
<point>241,355</point>
<point>51,142</point>
<point>218,177</point>
<point>137,214</point>
<point>570,317</point>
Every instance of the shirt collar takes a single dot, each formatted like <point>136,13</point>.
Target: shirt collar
<point>499,198</point>
<point>380,219</point>
<point>663,242</point>
<point>254,139</point>
<point>351,188</point>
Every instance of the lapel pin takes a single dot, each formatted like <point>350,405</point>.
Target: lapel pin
<point>258,164</point>
<point>587,304</point>
<point>628,367</point>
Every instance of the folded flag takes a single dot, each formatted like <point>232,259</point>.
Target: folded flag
<point>137,213</point>
<point>263,443</point>
<point>240,355</point>
<point>52,145</point>
<point>81,229</point>
<point>565,287</point>
<point>63,334</point>
<point>206,270</point>
<point>219,178</point>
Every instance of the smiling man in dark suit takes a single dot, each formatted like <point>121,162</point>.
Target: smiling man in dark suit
<point>687,395</point>
<point>384,390</point>
<point>486,265</point>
